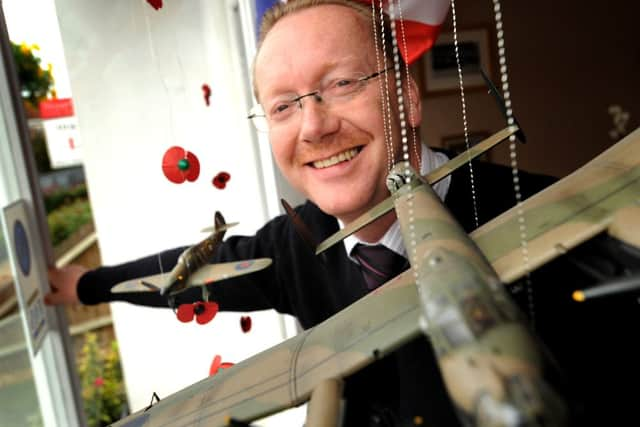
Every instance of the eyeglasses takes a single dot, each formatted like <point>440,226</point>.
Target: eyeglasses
<point>281,110</point>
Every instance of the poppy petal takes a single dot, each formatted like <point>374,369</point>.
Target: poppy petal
<point>156,4</point>
<point>193,172</point>
<point>170,162</point>
<point>209,312</point>
<point>206,92</point>
<point>185,313</point>
<point>215,365</point>
<point>221,179</point>
<point>245,323</point>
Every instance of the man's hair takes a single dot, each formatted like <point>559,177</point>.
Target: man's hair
<point>280,10</point>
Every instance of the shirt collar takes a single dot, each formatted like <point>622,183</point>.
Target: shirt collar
<point>392,239</point>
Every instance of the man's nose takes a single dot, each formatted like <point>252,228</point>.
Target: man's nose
<point>316,120</point>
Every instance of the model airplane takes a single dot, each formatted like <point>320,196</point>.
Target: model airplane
<point>594,199</point>
<point>193,268</point>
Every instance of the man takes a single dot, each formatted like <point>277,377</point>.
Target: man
<point>322,103</point>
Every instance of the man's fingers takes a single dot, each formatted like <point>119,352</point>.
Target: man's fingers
<point>51,299</point>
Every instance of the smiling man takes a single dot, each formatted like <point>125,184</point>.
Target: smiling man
<point>330,145</point>
<point>320,81</point>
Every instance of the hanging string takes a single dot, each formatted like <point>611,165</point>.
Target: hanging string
<point>514,160</point>
<point>386,98</point>
<point>412,112</point>
<point>154,60</point>
<point>412,243</point>
<point>464,113</point>
<point>382,83</point>
<point>399,91</point>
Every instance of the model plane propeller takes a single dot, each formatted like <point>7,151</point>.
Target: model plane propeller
<point>193,268</point>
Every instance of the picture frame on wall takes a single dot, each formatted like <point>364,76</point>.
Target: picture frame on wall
<point>441,68</point>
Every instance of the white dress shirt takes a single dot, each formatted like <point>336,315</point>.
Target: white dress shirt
<point>392,239</point>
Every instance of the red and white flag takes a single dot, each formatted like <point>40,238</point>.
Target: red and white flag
<point>421,22</point>
<point>418,23</point>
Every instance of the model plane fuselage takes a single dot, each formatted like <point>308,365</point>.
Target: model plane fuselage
<point>194,268</point>
<point>190,261</point>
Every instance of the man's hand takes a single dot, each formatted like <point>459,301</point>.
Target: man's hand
<point>64,282</point>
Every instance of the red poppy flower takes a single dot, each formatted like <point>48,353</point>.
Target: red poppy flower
<point>156,4</point>
<point>218,364</point>
<point>185,313</point>
<point>204,312</point>
<point>245,323</point>
<point>220,180</point>
<point>179,165</point>
<point>99,382</point>
<point>206,92</point>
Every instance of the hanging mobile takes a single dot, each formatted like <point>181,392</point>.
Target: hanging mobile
<point>179,165</point>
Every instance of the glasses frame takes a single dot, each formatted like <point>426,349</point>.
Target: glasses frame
<point>259,118</point>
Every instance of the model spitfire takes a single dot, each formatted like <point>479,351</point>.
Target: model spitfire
<point>193,268</point>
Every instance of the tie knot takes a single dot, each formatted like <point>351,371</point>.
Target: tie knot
<point>378,263</point>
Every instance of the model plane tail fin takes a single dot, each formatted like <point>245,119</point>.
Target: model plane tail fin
<point>220,224</point>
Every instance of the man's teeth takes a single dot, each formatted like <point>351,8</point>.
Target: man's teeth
<point>345,155</point>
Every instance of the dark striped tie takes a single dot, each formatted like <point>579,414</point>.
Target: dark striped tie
<point>378,263</point>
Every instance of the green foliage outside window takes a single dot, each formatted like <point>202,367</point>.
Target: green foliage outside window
<point>59,197</point>
<point>65,220</point>
<point>35,82</point>
<point>101,381</point>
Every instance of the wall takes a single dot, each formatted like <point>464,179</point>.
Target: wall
<point>568,62</point>
<point>136,77</point>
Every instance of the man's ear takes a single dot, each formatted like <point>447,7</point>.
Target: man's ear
<point>413,104</point>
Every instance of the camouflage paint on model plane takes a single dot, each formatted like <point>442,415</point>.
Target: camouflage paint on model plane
<point>194,269</point>
<point>474,330</point>
<point>492,365</point>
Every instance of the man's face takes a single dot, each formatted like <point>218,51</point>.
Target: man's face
<point>335,155</point>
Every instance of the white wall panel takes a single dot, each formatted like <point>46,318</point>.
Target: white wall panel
<point>136,77</point>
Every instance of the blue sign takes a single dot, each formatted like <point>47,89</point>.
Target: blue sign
<point>21,243</point>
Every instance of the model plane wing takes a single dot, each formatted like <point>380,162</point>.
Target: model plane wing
<point>205,275</point>
<point>153,284</point>
<point>432,178</point>
<point>286,374</point>
<point>226,270</point>
<point>592,199</point>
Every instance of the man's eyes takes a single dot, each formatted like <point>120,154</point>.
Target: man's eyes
<point>342,83</point>
<point>281,108</point>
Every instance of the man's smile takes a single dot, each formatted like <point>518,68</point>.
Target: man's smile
<point>337,158</point>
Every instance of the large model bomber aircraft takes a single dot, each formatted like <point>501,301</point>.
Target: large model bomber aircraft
<point>454,291</point>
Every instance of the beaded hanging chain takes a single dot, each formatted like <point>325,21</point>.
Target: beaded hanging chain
<point>464,113</point>
<point>514,160</point>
